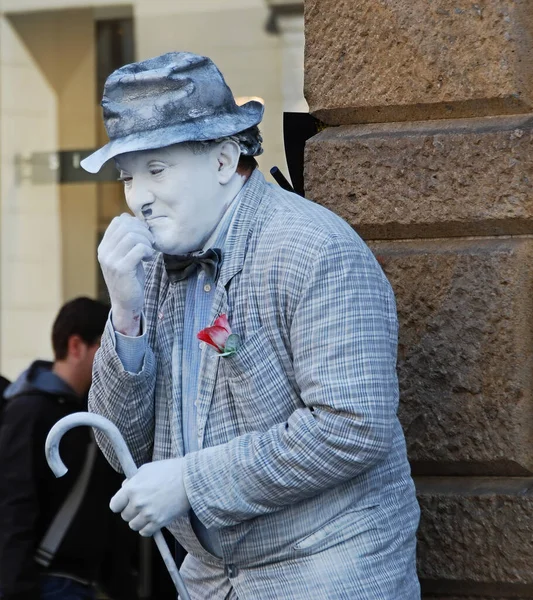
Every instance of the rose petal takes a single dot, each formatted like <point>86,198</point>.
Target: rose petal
<point>222,321</point>
<point>215,336</point>
<point>205,336</point>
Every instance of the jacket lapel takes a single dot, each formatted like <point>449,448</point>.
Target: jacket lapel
<point>242,227</point>
<point>232,263</point>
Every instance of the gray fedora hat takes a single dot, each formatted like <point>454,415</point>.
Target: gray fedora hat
<point>173,98</point>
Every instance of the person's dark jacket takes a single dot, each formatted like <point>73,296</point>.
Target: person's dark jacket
<point>3,385</point>
<point>30,495</point>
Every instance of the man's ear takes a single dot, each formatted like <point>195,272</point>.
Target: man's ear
<point>77,348</point>
<point>228,153</point>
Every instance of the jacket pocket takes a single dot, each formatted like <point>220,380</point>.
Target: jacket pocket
<point>342,527</point>
<point>244,360</point>
<point>261,382</point>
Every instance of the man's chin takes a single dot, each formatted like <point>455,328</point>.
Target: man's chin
<point>175,249</point>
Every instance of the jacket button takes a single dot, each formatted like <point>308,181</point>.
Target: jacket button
<point>231,571</point>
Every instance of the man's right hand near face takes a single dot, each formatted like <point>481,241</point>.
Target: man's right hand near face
<point>126,243</point>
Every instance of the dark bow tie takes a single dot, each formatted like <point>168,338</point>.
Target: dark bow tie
<point>180,266</point>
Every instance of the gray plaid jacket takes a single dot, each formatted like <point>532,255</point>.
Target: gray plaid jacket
<point>302,464</point>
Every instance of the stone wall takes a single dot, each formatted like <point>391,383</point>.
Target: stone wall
<point>429,155</point>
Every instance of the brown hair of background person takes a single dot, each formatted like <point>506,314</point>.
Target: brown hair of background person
<point>83,317</point>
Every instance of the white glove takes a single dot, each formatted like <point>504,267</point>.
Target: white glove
<point>126,243</point>
<point>153,497</point>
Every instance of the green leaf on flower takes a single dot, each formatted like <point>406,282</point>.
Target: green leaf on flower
<point>232,345</point>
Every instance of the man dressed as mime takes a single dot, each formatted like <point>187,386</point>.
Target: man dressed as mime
<point>280,465</point>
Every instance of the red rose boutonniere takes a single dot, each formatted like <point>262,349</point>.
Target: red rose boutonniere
<point>220,337</point>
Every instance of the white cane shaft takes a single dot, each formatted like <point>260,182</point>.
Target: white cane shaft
<point>171,566</point>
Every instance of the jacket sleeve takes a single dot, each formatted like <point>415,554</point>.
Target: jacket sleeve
<point>19,507</point>
<point>343,336</point>
<point>125,398</point>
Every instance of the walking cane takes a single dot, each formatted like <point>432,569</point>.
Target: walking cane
<point>128,466</point>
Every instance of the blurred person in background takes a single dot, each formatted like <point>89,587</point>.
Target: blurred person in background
<point>57,536</point>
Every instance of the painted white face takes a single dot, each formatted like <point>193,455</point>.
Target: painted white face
<point>176,192</point>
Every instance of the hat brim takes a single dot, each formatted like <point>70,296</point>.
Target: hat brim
<point>197,130</point>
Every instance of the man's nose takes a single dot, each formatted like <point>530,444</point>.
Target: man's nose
<point>139,198</point>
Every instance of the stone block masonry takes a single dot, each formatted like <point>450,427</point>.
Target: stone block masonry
<point>428,154</point>
<point>464,359</point>
<point>466,544</point>
<point>381,61</point>
<point>427,179</point>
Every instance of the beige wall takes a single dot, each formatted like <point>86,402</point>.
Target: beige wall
<point>63,44</point>
<point>77,129</point>
<point>291,34</point>
<point>19,6</point>
<point>30,225</point>
<point>48,230</point>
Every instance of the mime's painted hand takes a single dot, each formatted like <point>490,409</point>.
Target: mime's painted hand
<point>126,243</point>
<point>153,497</point>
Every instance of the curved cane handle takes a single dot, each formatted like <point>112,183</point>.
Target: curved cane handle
<point>126,461</point>
<point>78,419</point>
